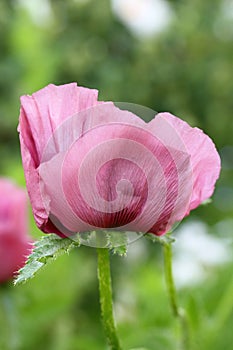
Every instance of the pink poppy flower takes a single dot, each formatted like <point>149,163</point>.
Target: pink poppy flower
<point>15,244</point>
<point>90,165</point>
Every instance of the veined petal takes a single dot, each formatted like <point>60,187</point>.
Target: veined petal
<point>116,175</point>
<point>205,160</point>
<point>40,115</point>
<point>90,165</point>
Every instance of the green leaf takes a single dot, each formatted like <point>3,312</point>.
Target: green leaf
<point>46,249</point>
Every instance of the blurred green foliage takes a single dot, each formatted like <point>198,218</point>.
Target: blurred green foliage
<point>187,70</point>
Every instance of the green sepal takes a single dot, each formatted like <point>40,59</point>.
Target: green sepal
<point>164,240</point>
<point>117,242</point>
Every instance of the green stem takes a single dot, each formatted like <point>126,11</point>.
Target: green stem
<point>105,289</point>
<point>179,313</point>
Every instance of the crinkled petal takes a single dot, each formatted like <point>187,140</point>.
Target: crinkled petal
<point>205,160</point>
<point>90,165</point>
<point>40,115</point>
<point>46,109</point>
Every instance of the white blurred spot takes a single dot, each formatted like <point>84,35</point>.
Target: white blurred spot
<point>227,7</point>
<point>137,251</point>
<point>39,10</point>
<point>196,251</point>
<point>144,17</point>
<point>222,26</point>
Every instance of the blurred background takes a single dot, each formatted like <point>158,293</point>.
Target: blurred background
<point>172,56</point>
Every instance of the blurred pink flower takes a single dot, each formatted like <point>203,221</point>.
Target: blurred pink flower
<point>15,244</point>
<point>90,165</point>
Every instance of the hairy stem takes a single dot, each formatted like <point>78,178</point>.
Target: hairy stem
<point>178,312</point>
<point>105,290</point>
